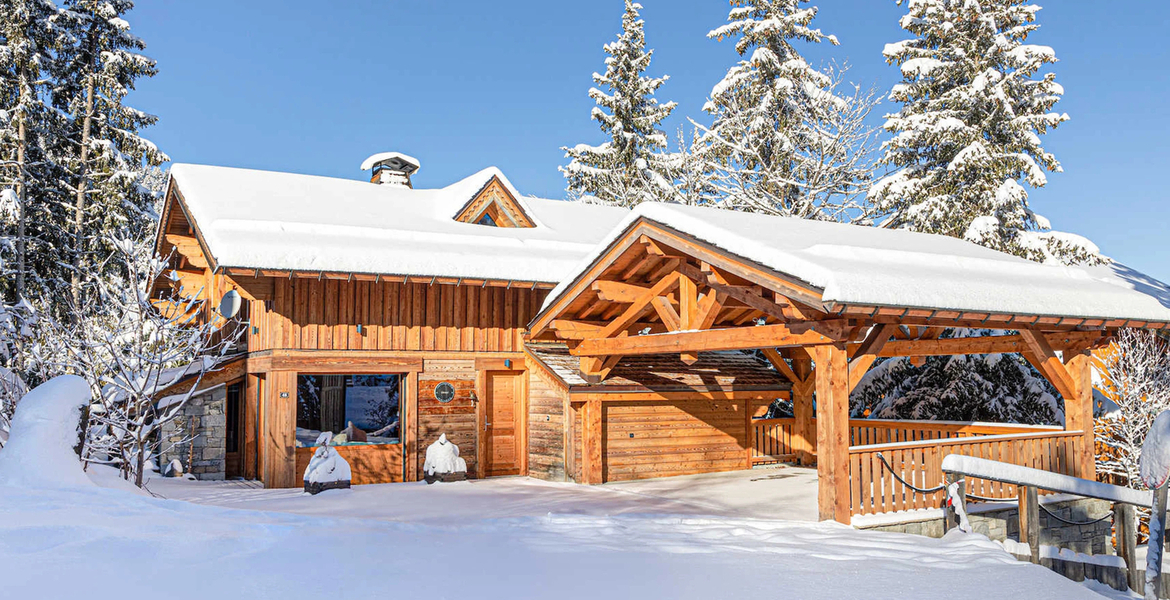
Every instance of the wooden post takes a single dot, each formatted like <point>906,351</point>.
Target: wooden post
<point>832,375</point>
<point>1078,411</point>
<point>1126,542</point>
<point>409,428</point>
<point>1029,510</point>
<point>804,434</point>
<point>950,516</point>
<point>591,443</point>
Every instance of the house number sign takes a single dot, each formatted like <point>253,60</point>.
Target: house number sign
<point>444,392</point>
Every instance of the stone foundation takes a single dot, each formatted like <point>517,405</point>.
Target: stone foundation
<point>197,437</point>
<point>1002,521</point>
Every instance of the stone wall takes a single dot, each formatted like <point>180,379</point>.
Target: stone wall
<point>197,437</point>
<point>1000,522</point>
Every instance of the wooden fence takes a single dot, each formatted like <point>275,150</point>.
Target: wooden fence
<point>873,487</point>
<point>773,443</point>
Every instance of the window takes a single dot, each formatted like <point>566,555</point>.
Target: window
<point>487,219</point>
<point>364,407</point>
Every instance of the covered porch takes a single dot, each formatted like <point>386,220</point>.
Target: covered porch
<point>823,302</point>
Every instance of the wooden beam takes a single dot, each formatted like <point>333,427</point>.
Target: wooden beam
<point>733,338</point>
<point>576,330</point>
<point>832,433</point>
<point>595,370</point>
<point>617,291</point>
<point>875,340</point>
<point>631,314</point>
<point>709,307</point>
<point>804,431</point>
<point>688,302</point>
<point>992,344</point>
<point>1048,363</point>
<point>670,317</point>
<point>858,367</point>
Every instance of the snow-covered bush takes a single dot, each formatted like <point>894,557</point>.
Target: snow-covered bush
<point>130,351</point>
<point>327,468</point>
<point>443,458</point>
<point>1134,373</point>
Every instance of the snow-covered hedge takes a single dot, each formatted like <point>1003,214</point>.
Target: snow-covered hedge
<point>46,428</point>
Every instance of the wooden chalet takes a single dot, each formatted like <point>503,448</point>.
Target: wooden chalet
<point>574,342</point>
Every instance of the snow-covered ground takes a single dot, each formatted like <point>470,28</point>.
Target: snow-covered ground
<point>514,538</point>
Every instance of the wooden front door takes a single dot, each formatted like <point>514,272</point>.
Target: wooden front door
<point>234,431</point>
<point>502,424</point>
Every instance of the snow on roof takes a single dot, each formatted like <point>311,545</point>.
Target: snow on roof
<point>369,163</point>
<point>871,266</point>
<point>284,221</point>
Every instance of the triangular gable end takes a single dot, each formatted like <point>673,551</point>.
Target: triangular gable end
<point>495,205</point>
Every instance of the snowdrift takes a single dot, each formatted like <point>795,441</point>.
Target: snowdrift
<point>39,452</point>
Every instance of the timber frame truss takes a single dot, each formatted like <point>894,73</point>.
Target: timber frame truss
<point>656,290</point>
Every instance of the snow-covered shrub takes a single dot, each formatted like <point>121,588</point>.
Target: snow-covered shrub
<point>12,388</point>
<point>1134,373</point>
<point>327,469</point>
<point>443,458</point>
<point>45,431</point>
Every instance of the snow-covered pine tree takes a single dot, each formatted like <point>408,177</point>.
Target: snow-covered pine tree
<point>967,138</point>
<point>30,35</point>
<point>783,140</point>
<point>631,167</point>
<point>96,70</point>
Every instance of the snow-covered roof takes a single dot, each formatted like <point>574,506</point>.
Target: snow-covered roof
<point>284,221</point>
<point>867,266</point>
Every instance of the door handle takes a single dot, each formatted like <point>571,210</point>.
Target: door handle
<point>486,425</point>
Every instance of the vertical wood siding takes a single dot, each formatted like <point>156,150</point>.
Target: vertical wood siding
<point>312,314</point>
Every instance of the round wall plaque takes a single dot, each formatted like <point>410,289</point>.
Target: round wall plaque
<point>444,392</point>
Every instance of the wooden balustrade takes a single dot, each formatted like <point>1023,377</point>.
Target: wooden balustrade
<point>773,437</point>
<point>874,489</point>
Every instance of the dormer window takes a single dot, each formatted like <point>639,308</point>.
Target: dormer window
<point>494,206</point>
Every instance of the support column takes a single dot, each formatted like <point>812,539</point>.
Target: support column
<point>804,433</point>
<point>1078,410</point>
<point>591,443</point>
<point>832,378</point>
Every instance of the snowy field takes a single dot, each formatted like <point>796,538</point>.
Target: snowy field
<point>67,534</point>
<point>514,538</point>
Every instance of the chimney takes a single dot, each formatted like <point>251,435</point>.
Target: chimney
<point>391,168</point>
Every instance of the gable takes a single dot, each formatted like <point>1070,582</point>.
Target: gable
<point>495,206</point>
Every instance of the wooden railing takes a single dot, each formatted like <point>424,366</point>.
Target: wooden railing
<point>874,488</point>
<point>772,438</point>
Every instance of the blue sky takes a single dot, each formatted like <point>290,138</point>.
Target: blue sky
<point>315,87</point>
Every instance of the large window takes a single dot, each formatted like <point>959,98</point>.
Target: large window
<point>365,407</point>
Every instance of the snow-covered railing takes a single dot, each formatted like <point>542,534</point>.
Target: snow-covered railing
<point>962,470</point>
<point>889,477</point>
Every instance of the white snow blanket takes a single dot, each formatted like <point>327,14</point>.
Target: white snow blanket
<point>264,219</point>
<point>39,452</point>
<point>443,457</point>
<point>1154,464</point>
<point>327,466</point>
<point>871,266</point>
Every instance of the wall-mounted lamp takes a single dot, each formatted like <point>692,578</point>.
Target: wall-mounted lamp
<point>507,363</point>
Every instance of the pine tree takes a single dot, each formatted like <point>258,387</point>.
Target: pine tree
<point>967,138</point>
<point>106,153</point>
<point>630,168</point>
<point>783,140</point>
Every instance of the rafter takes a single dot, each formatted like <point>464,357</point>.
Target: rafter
<point>734,338</point>
<point>1048,363</point>
<point>617,291</point>
<point>631,314</point>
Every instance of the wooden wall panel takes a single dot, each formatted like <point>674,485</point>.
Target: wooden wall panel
<point>378,463</point>
<point>661,439</point>
<point>457,418</point>
<point>546,428</point>
<point>324,314</point>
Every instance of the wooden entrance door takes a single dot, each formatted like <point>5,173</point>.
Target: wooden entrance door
<point>502,424</point>
<point>234,431</point>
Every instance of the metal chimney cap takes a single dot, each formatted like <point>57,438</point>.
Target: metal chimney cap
<point>394,160</point>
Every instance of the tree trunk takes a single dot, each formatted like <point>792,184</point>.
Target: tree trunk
<point>79,201</point>
<point>22,199</point>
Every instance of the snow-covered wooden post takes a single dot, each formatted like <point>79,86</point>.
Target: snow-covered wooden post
<point>1154,466</point>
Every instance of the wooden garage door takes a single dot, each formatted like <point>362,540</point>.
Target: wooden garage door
<point>661,439</point>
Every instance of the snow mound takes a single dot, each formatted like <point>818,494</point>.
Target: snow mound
<point>1155,460</point>
<point>39,452</point>
<point>443,458</point>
